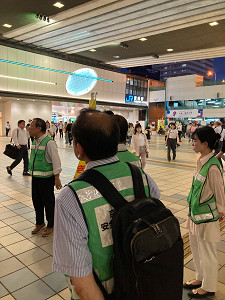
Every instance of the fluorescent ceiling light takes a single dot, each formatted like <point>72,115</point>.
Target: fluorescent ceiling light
<point>58,4</point>
<point>24,79</point>
<point>92,50</point>
<point>143,39</point>
<point>7,25</point>
<point>116,56</point>
<point>213,23</point>
<point>170,50</point>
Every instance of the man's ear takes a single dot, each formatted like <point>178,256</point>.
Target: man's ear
<point>80,152</point>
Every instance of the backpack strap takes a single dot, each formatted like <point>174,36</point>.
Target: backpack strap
<point>104,186</point>
<point>139,190</point>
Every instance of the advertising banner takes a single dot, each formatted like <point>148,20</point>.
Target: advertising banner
<point>186,113</point>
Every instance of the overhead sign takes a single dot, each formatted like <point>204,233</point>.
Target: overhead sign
<point>186,113</point>
<point>135,99</point>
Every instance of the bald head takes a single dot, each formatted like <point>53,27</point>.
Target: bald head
<point>97,133</point>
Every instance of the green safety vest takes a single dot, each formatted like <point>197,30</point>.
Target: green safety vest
<point>206,211</point>
<point>99,213</point>
<point>127,156</point>
<point>38,164</point>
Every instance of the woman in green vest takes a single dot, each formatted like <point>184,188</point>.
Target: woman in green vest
<point>206,208</point>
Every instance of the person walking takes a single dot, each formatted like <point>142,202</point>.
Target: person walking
<point>171,141</point>
<point>61,129</point>
<point>148,130</point>
<point>7,128</point>
<point>139,144</point>
<point>83,235</point>
<point>69,131</point>
<point>206,209</point>
<point>20,139</point>
<point>48,129</point>
<point>65,133</point>
<point>179,127</point>
<point>219,129</point>
<point>130,132</point>
<point>45,168</point>
<point>192,129</point>
<point>53,130</point>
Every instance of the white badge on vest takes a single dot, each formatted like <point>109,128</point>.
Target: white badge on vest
<point>104,216</point>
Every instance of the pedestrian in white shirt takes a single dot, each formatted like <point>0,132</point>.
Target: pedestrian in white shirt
<point>61,129</point>
<point>219,129</point>
<point>53,130</point>
<point>20,139</point>
<point>139,144</point>
<point>7,128</point>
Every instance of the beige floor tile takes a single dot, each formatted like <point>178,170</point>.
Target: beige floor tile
<point>22,225</point>
<point>20,247</point>
<point>56,297</point>
<point>188,274</point>
<point>32,256</point>
<point>8,297</point>
<point>11,239</point>
<point>176,206</point>
<point>42,268</point>
<point>65,294</point>
<point>10,265</point>
<point>9,202</point>
<point>5,231</point>
<point>14,220</point>
<point>220,294</point>
<point>2,224</point>
<point>181,214</point>
<point>187,259</point>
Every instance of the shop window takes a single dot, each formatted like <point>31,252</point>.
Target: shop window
<point>127,91</point>
<point>135,82</point>
<point>131,81</point>
<point>128,80</point>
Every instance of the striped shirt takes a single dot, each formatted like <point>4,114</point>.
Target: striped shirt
<point>71,254</point>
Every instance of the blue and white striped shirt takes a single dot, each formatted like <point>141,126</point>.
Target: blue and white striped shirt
<point>71,254</point>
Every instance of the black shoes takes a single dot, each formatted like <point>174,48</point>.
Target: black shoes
<point>9,170</point>
<point>26,174</point>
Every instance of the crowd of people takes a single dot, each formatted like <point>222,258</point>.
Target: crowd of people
<point>81,217</point>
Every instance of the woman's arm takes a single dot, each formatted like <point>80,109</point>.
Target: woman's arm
<point>132,145</point>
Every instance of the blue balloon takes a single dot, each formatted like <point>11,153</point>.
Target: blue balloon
<point>82,82</point>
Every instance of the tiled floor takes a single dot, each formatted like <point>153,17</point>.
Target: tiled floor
<point>25,260</point>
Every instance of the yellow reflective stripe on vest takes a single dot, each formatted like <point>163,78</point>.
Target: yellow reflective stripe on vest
<point>201,178</point>
<point>90,193</point>
<point>37,173</point>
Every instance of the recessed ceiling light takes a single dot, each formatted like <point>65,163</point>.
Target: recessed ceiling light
<point>58,4</point>
<point>143,39</point>
<point>7,25</point>
<point>116,56</point>
<point>92,50</point>
<point>213,23</point>
<point>170,50</point>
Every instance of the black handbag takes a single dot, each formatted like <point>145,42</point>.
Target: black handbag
<point>11,151</point>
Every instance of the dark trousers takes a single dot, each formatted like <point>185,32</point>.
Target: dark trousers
<point>7,132</point>
<point>171,145</point>
<point>44,199</point>
<point>70,137</point>
<point>61,133</point>
<point>180,135</point>
<point>22,154</point>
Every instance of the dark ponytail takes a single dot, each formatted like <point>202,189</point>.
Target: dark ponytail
<point>207,134</point>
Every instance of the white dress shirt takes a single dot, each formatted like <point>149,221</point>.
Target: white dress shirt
<point>20,136</point>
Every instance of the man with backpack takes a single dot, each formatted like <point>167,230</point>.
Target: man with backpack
<point>83,242</point>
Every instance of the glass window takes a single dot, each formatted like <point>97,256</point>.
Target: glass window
<point>127,91</point>
<point>135,82</point>
<point>139,82</point>
<point>128,80</point>
<point>131,91</point>
<point>131,81</point>
<point>146,84</point>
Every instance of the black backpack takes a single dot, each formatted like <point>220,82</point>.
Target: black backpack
<point>148,248</point>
